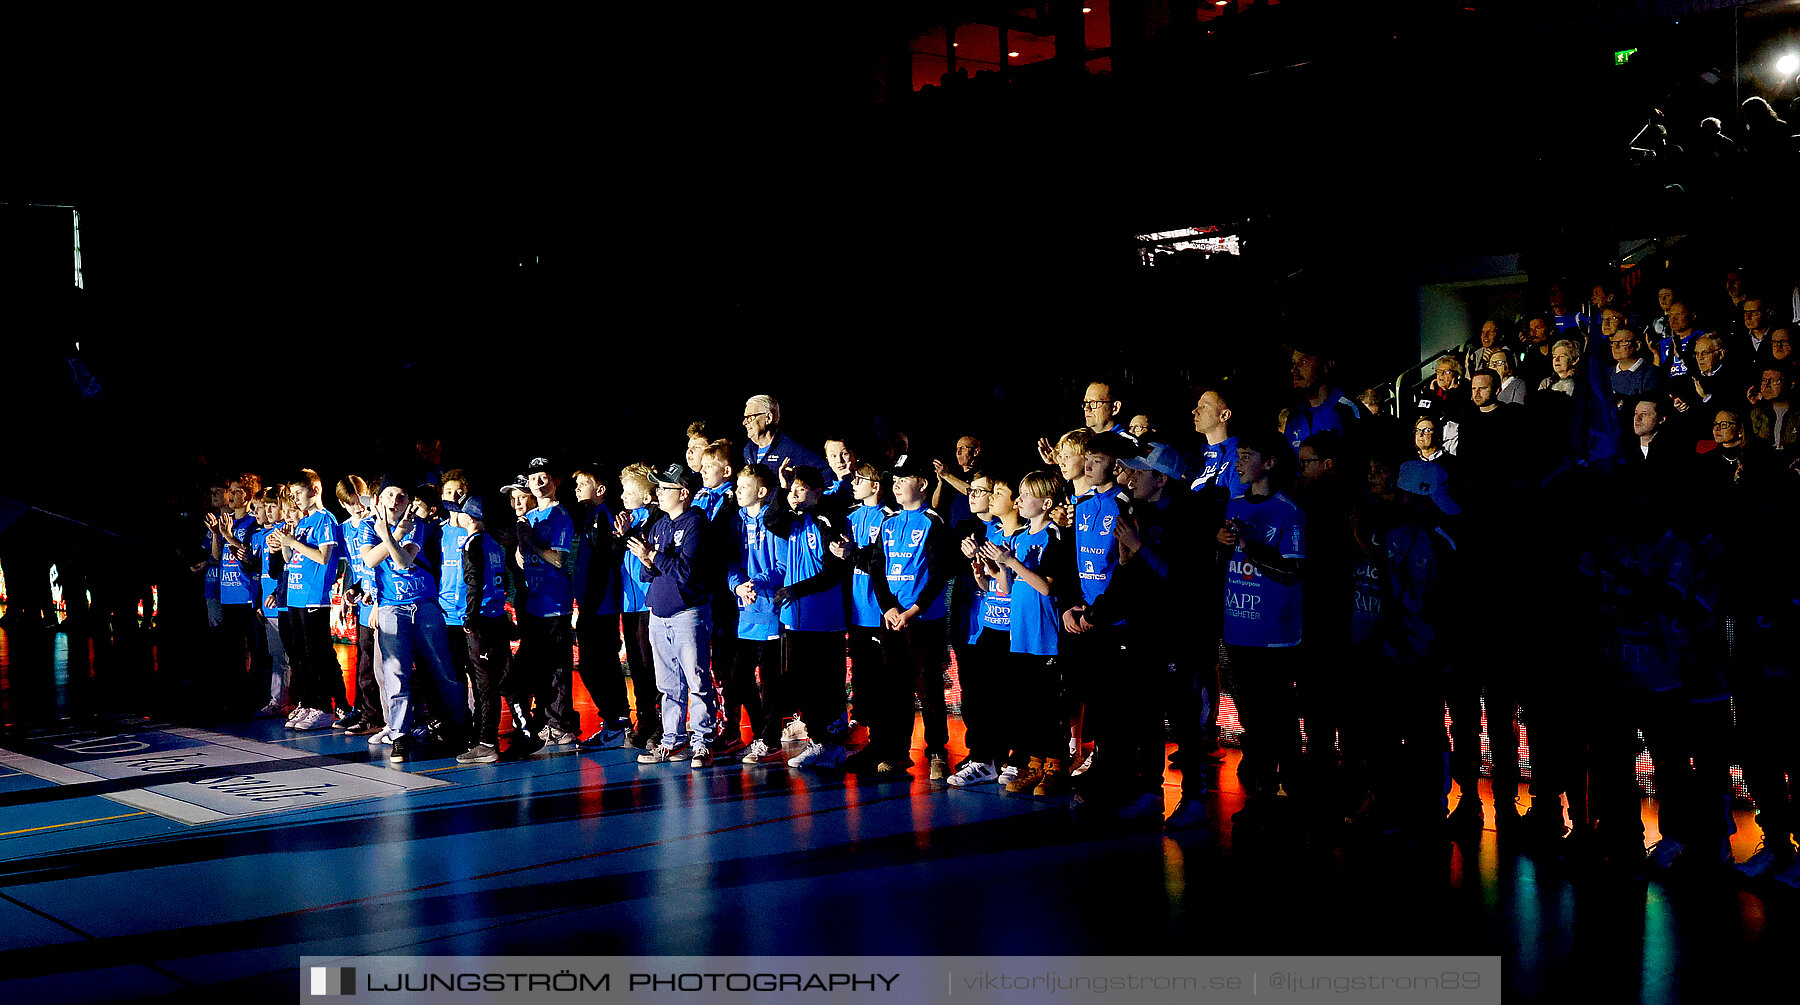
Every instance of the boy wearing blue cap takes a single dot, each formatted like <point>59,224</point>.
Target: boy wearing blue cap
<point>909,567</point>
<point>480,570</point>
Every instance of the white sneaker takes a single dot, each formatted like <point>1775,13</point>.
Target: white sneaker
<point>1008,774</point>
<point>794,732</point>
<point>700,756</point>
<point>1087,764</point>
<point>663,754</point>
<point>553,736</point>
<point>313,719</point>
<point>808,757</point>
<point>298,711</point>
<point>383,738</point>
<point>973,773</point>
<point>760,752</point>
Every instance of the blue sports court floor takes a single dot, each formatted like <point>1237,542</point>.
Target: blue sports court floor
<point>142,857</point>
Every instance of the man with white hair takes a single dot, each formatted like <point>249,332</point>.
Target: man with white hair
<point>769,443</point>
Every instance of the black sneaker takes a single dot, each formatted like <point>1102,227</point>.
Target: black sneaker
<point>402,748</point>
<point>348,720</point>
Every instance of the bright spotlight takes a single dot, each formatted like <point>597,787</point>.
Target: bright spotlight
<point>1788,65</point>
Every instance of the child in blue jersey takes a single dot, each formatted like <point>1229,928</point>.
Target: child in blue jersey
<point>1264,544</point>
<point>311,549</point>
<point>1171,550</point>
<point>241,627</point>
<point>408,621</point>
<point>546,656</point>
<point>753,575</point>
<point>862,610</point>
<point>480,604</point>
<point>267,510</point>
<point>208,566</point>
<point>625,606</point>
<point>596,634</point>
<point>361,593</point>
<point>717,500</point>
<point>1036,561</point>
<point>909,566</point>
<point>717,485</point>
<point>989,726</point>
<point>1099,646</point>
<point>962,597</point>
<point>811,603</point>
<point>841,465</point>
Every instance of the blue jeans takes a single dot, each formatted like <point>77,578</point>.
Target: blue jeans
<point>680,647</point>
<point>400,631</point>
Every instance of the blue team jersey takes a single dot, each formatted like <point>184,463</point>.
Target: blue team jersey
<point>1096,550</point>
<point>492,602</point>
<point>350,532</point>
<point>453,593</point>
<point>234,582</point>
<point>966,609</point>
<point>1306,420</point>
<point>1219,467</point>
<point>865,531</point>
<point>1676,359</point>
<point>802,557</point>
<point>906,539</point>
<point>259,546</point>
<point>709,501</point>
<point>210,588</point>
<point>1365,596</point>
<point>309,582</point>
<point>1258,610</point>
<point>584,552</point>
<point>996,608</point>
<point>401,586</point>
<point>634,593</point>
<point>550,591</point>
<point>1034,616</point>
<point>758,561</point>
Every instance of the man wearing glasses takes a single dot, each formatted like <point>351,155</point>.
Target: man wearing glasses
<point>1100,411</point>
<point>1756,329</point>
<point>1771,421</point>
<point>1632,375</point>
<point>769,443</point>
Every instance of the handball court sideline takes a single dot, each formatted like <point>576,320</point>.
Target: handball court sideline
<point>144,855</point>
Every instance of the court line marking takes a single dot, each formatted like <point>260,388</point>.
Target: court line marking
<point>75,823</point>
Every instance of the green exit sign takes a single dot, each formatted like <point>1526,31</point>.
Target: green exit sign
<point>1623,56</point>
